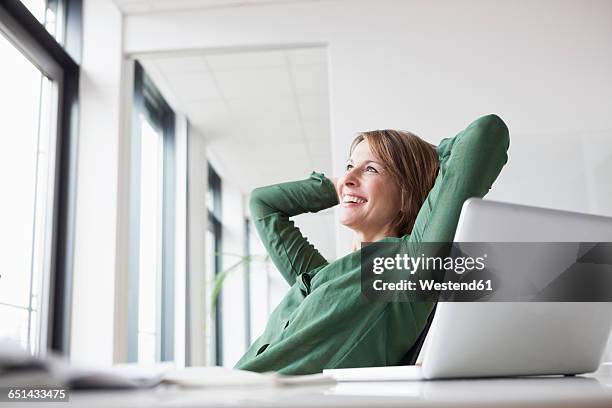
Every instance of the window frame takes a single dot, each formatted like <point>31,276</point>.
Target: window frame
<point>147,100</point>
<point>215,226</point>
<point>61,64</point>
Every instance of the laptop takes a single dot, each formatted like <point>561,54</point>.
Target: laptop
<point>497,339</point>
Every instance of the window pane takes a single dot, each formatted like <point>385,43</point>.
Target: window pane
<point>14,324</point>
<point>37,8</point>
<point>150,241</point>
<point>47,13</point>
<point>151,326</point>
<point>146,347</point>
<point>26,157</point>
<point>210,203</point>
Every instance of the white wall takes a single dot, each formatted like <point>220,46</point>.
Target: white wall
<point>197,222</point>
<point>316,227</point>
<point>432,67</point>
<point>233,295</point>
<point>100,131</point>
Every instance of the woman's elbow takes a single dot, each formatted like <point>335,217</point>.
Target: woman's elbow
<point>256,201</point>
<point>259,200</point>
<point>494,134</point>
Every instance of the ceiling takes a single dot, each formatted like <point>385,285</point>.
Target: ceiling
<point>152,6</point>
<point>264,114</point>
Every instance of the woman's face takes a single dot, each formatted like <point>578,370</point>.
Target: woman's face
<point>369,197</point>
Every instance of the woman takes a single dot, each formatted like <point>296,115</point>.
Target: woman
<point>396,188</point>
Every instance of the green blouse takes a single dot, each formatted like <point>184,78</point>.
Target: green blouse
<point>324,321</point>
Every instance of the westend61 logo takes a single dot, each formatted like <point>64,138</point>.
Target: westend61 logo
<point>487,271</point>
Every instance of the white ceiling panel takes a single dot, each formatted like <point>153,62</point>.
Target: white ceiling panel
<point>207,111</point>
<point>134,7</point>
<point>173,65</point>
<point>268,82</point>
<point>313,106</point>
<point>256,110</point>
<point>157,6</point>
<point>167,5</point>
<point>307,56</point>
<point>309,78</point>
<point>258,107</point>
<point>192,86</point>
<point>268,129</point>
<point>275,176</point>
<point>295,163</point>
<point>263,59</point>
<point>268,153</point>
<point>317,129</point>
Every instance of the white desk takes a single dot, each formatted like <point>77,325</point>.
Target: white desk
<point>586,391</point>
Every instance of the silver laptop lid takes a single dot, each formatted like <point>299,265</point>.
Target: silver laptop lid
<point>511,338</point>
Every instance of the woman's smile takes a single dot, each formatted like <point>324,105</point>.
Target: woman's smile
<point>353,200</point>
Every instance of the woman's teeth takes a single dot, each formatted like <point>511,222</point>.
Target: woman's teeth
<point>353,199</point>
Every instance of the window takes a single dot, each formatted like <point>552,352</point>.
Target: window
<point>214,329</point>
<point>151,280</point>
<point>36,175</point>
<point>149,268</point>
<point>49,14</point>
<point>26,165</point>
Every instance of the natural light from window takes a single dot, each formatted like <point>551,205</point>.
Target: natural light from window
<point>46,12</point>
<point>27,101</point>
<point>150,269</point>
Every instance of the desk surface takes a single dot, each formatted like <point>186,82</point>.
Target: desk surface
<point>592,391</point>
<point>582,391</point>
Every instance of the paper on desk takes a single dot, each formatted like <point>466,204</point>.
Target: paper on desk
<point>220,376</point>
<point>115,377</point>
<point>19,368</point>
<point>213,376</point>
<point>304,379</point>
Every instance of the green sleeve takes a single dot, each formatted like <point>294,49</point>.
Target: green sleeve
<point>272,206</point>
<point>469,164</point>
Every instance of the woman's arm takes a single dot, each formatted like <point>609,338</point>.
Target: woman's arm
<point>271,207</point>
<point>469,164</point>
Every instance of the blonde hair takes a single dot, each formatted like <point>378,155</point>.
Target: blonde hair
<point>412,162</point>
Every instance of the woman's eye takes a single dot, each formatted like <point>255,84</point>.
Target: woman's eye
<point>348,167</point>
<point>371,169</point>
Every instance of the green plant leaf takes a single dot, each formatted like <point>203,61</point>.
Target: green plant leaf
<point>220,278</point>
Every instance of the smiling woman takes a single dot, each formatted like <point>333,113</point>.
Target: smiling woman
<point>387,195</point>
<point>388,176</point>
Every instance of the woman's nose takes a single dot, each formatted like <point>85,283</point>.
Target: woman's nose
<point>350,178</point>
